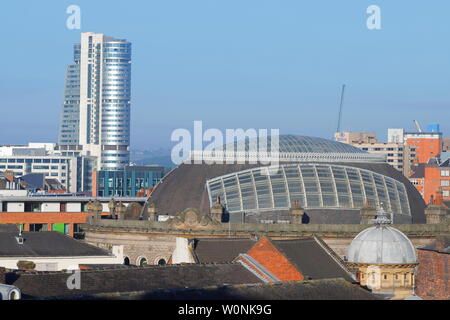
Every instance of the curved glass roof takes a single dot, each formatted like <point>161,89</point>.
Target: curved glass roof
<point>299,144</point>
<point>313,185</point>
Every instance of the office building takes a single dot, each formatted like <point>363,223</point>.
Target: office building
<point>427,144</point>
<point>22,160</point>
<point>96,112</point>
<point>398,155</point>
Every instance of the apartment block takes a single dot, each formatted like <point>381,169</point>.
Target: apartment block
<point>398,155</point>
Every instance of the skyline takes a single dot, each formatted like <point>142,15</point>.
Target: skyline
<point>194,60</point>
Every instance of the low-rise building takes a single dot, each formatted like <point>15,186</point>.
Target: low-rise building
<point>50,251</point>
<point>63,213</point>
<point>131,181</point>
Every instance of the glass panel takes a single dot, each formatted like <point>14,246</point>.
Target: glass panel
<point>329,200</point>
<point>313,200</point>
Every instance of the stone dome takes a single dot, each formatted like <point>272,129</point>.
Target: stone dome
<point>381,244</point>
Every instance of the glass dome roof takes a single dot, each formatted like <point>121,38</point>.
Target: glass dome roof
<point>302,144</point>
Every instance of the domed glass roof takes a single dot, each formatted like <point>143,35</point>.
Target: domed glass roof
<point>301,144</point>
<point>381,244</point>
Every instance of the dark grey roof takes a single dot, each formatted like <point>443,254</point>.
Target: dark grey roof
<point>45,244</point>
<point>34,180</point>
<point>330,289</point>
<point>418,171</point>
<point>149,278</point>
<point>445,163</point>
<point>220,250</point>
<point>311,259</point>
<point>9,228</point>
<point>185,187</point>
<point>54,184</point>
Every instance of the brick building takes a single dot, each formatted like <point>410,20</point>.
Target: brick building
<point>431,178</point>
<point>433,272</point>
<point>426,144</point>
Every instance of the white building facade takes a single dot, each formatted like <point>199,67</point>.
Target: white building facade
<point>96,111</point>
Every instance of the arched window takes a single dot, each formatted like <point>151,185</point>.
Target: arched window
<point>161,262</point>
<point>142,262</point>
<point>126,261</point>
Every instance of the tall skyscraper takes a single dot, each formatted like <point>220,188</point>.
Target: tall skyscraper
<point>96,111</point>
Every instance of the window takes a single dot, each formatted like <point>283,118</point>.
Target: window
<point>126,261</point>
<point>445,173</point>
<point>161,262</point>
<point>142,262</point>
<point>445,183</point>
<point>446,193</point>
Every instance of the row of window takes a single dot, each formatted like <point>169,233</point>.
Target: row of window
<point>14,160</point>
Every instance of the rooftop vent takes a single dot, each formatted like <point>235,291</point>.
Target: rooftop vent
<point>19,239</point>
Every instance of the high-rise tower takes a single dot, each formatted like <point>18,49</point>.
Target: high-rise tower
<point>96,111</point>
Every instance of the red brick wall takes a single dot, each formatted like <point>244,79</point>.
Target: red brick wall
<point>274,261</point>
<point>433,275</point>
<point>433,182</point>
<point>425,148</point>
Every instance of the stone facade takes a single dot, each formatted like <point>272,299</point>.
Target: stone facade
<point>397,280</point>
<point>155,240</point>
<point>436,213</point>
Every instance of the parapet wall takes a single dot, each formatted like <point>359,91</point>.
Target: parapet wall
<point>227,228</point>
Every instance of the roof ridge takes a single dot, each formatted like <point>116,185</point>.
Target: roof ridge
<point>334,256</point>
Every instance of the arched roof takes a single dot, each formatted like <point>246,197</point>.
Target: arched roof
<point>381,244</point>
<point>300,144</point>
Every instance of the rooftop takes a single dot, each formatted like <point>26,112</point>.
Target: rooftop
<point>113,280</point>
<point>330,289</point>
<point>44,244</point>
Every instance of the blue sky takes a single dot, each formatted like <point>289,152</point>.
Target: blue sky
<point>236,64</point>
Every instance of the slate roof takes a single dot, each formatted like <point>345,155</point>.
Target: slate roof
<point>330,289</point>
<point>33,180</point>
<point>8,228</point>
<point>418,171</point>
<point>311,259</point>
<point>220,250</point>
<point>45,244</point>
<point>148,278</point>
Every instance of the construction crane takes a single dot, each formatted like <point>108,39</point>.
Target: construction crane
<point>340,109</point>
<point>419,128</point>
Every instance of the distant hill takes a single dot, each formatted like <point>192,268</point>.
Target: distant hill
<point>158,156</point>
<point>164,161</point>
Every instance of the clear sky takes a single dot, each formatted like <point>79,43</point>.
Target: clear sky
<point>236,64</point>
